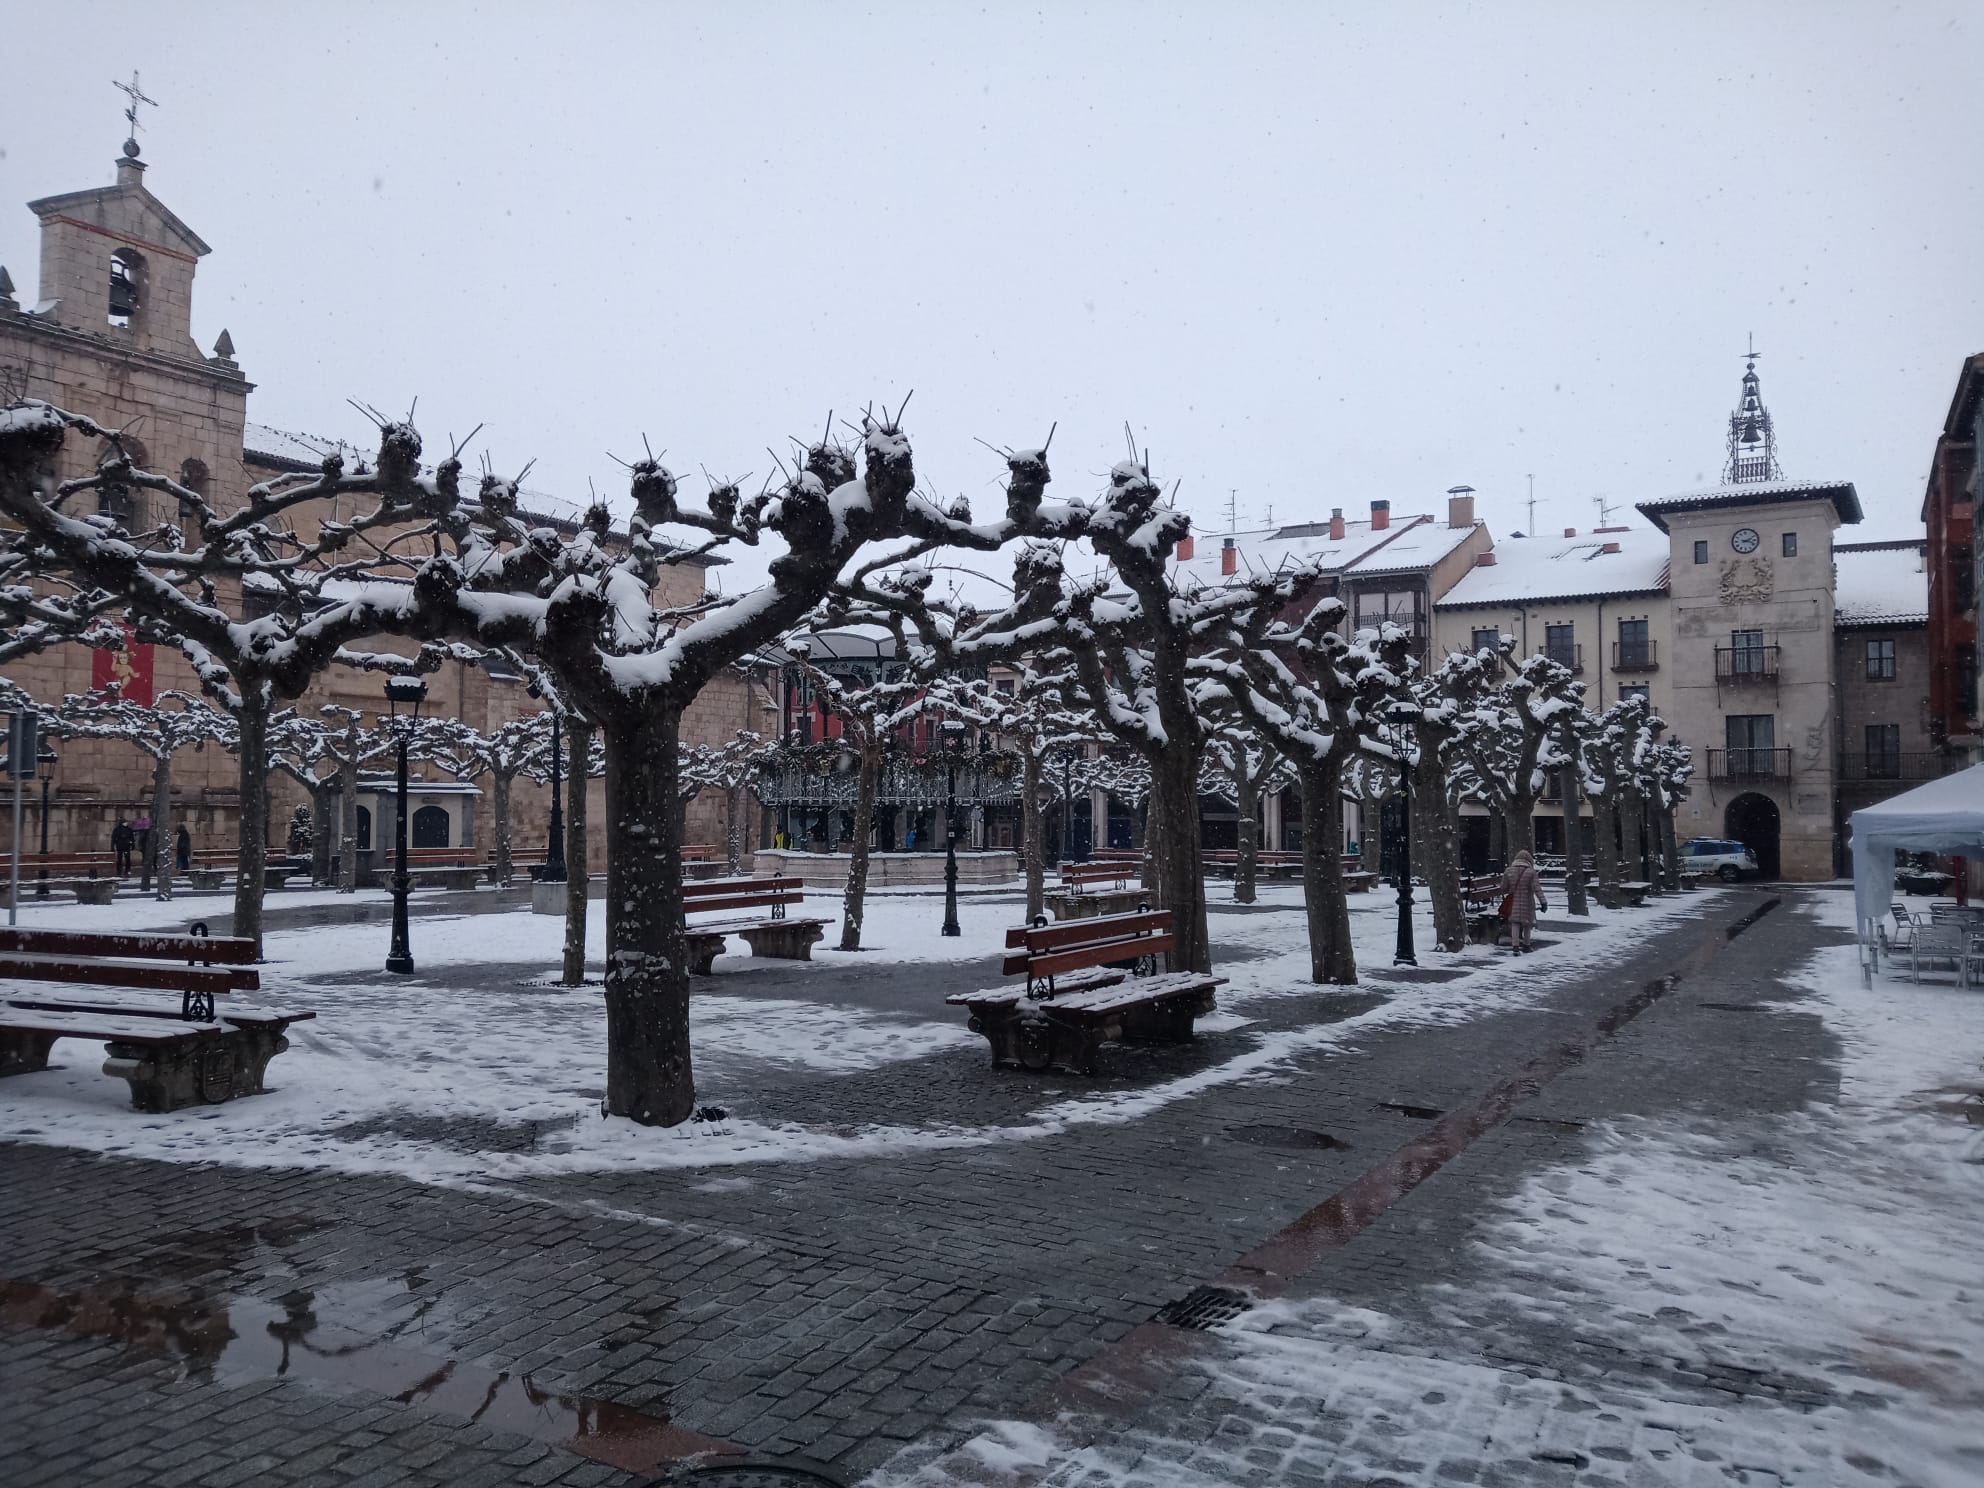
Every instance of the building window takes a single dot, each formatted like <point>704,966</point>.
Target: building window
<point>1883,751</point>
<point>1880,661</point>
<point>1560,645</point>
<point>1636,690</point>
<point>127,287</point>
<point>1746,653</point>
<point>1701,551</point>
<point>1790,545</point>
<point>1405,608</point>
<point>1752,740</point>
<point>1635,647</point>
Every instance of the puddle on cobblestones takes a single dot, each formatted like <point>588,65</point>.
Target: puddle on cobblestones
<point>1294,1137</point>
<point>1416,1113</point>
<point>236,1340</point>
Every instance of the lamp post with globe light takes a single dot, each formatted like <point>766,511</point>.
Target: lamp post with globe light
<point>953,745</point>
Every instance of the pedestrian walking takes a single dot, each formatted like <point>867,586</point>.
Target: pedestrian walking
<point>121,842</point>
<point>183,849</point>
<point>1523,897</point>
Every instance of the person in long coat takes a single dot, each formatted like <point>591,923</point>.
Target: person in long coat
<point>1524,891</point>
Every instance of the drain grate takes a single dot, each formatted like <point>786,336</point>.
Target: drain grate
<point>1417,1113</point>
<point>1733,1007</point>
<point>1205,1308</point>
<point>1295,1137</point>
<point>763,1472</point>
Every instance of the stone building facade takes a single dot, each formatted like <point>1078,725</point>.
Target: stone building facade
<point>110,335</point>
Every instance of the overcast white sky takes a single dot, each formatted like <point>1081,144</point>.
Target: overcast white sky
<point>1314,254</point>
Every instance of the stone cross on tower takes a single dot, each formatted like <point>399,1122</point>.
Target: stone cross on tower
<point>135,96</point>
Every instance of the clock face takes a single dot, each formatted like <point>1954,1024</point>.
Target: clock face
<point>1745,540</point>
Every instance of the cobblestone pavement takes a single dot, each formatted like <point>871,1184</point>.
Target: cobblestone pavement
<point>847,1310</point>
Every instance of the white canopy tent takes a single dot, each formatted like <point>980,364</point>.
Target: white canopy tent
<point>1944,816</point>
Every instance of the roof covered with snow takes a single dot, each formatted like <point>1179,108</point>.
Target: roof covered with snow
<point>1527,568</point>
<point>1880,584</point>
<point>1421,545</point>
<point>1755,493</point>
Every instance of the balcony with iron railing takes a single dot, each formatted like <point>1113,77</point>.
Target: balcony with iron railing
<point>1571,657</point>
<point>1748,766</point>
<point>1635,656</point>
<point>1739,666</point>
<point>1856,769</point>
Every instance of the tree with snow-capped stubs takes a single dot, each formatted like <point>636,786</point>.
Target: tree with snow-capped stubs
<point>1318,697</point>
<point>503,753</point>
<point>1032,718</point>
<point>1503,736</point>
<point>61,571</point>
<point>159,730</point>
<point>869,715</point>
<point>1118,647</point>
<point>1244,767</point>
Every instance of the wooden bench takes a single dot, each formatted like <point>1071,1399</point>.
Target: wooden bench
<point>1358,881</point>
<point>702,860</point>
<point>1097,888</point>
<point>1088,983</point>
<point>170,1058</point>
<point>776,935</point>
<point>1481,898</point>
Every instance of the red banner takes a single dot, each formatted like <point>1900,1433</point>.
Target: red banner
<point>129,670</point>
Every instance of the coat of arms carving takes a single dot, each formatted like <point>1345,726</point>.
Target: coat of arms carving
<point>1747,581</point>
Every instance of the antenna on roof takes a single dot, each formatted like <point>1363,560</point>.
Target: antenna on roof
<point>1605,510</point>
<point>1532,503</point>
<point>1232,509</point>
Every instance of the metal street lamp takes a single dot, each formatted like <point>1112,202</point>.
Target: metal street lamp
<point>47,759</point>
<point>1068,806</point>
<point>953,745</point>
<point>1403,955</point>
<point>413,692</point>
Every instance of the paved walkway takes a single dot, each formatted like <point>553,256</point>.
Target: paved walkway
<point>168,1325</point>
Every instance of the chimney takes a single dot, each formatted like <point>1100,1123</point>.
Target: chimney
<point>1611,547</point>
<point>1336,524</point>
<point>1184,553</point>
<point>1460,511</point>
<point>1611,529</point>
<point>1381,515</point>
<point>1484,560</point>
<point>1570,532</point>
<point>1229,557</point>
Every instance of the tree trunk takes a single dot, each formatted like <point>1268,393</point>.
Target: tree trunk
<point>1177,873</point>
<point>733,834</point>
<point>348,813</point>
<point>1436,850</point>
<point>499,809</point>
<point>1033,846</point>
<point>1246,800</point>
<point>1632,835</point>
<point>1574,894</point>
<point>578,870</point>
<point>254,844</point>
<point>649,1078</point>
<point>1605,822</point>
<point>1670,850</point>
<point>1520,821</point>
<point>322,848</point>
<point>1331,959</point>
<point>856,898</point>
<point>162,843</point>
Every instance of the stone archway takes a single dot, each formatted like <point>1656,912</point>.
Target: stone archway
<point>1753,820</point>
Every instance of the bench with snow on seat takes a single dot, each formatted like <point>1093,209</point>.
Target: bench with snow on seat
<point>1088,983</point>
<point>1101,886</point>
<point>776,934</point>
<point>1481,897</point>
<point>171,1057</point>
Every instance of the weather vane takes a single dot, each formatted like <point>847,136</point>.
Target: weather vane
<point>136,96</point>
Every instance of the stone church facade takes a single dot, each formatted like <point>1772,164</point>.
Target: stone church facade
<point>109,334</point>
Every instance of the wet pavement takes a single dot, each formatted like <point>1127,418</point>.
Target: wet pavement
<point>164,1324</point>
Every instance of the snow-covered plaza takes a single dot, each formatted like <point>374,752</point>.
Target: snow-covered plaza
<point>1515,1234</point>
